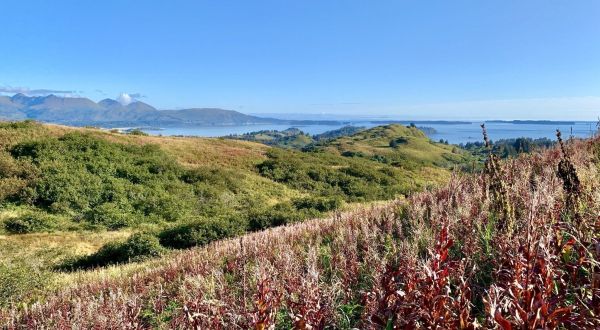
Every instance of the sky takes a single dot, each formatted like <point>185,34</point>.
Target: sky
<point>408,59</point>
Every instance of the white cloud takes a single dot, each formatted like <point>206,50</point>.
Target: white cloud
<point>124,98</point>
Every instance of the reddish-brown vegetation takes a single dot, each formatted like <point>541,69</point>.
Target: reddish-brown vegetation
<point>440,259</point>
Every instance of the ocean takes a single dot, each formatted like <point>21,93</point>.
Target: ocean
<point>454,133</point>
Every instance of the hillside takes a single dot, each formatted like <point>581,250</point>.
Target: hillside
<point>509,248</point>
<point>397,145</point>
<point>79,198</point>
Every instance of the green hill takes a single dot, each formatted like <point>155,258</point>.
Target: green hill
<point>79,198</point>
<point>519,255</point>
<point>398,145</point>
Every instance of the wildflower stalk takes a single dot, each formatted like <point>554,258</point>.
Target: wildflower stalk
<point>496,186</point>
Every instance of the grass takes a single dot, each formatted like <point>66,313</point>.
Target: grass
<point>50,248</point>
<point>189,151</point>
<point>87,191</point>
<point>69,237</point>
<point>412,263</point>
<point>75,190</point>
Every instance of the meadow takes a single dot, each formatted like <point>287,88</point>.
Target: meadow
<point>515,246</point>
<point>74,199</point>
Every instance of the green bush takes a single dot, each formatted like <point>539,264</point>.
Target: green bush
<point>30,222</point>
<point>138,247</point>
<point>278,215</point>
<point>137,131</point>
<point>109,215</point>
<point>105,183</point>
<point>321,204</point>
<point>398,141</point>
<point>200,232</point>
<point>322,174</point>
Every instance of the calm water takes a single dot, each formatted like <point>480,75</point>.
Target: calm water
<point>459,133</point>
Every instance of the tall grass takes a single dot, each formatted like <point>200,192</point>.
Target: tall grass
<point>444,258</point>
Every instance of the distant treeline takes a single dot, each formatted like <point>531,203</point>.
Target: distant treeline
<point>509,147</point>
<point>293,137</point>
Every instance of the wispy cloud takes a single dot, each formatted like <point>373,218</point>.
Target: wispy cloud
<point>137,95</point>
<point>28,91</point>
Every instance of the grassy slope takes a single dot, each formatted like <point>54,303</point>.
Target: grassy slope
<point>427,159</point>
<point>323,272</point>
<point>238,156</point>
<point>241,157</point>
<point>417,148</point>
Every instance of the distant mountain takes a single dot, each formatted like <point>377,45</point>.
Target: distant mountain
<point>52,108</point>
<point>214,116</point>
<point>110,113</point>
<point>10,110</point>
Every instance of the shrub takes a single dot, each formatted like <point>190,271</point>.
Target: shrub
<point>350,153</point>
<point>321,204</point>
<point>138,247</point>
<point>200,232</point>
<point>398,141</point>
<point>137,131</point>
<point>278,215</point>
<point>109,215</point>
<point>83,175</point>
<point>354,178</point>
<point>29,222</point>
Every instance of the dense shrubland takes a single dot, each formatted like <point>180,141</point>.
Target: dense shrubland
<point>94,183</point>
<point>353,179</point>
<point>516,246</point>
<point>91,182</point>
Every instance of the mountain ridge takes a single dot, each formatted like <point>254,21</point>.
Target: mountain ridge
<point>109,112</point>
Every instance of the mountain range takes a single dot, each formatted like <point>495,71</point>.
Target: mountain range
<point>109,112</point>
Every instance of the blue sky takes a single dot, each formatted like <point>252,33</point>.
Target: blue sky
<point>411,59</point>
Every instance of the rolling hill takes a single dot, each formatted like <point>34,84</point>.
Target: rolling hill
<point>74,198</point>
<point>395,144</point>
<point>513,247</point>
